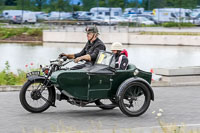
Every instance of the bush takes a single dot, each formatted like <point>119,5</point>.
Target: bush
<point>130,24</point>
<point>174,24</point>
<point>9,32</point>
<point>34,32</point>
<point>7,77</point>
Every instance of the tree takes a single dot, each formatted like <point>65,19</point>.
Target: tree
<point>25,5</point>
<point>88,4</point>
<point>76,8</point>
<point>157,4</point>
<point>59,5</point>
<point>10,2</point>
<point>1,5</point>
<point>103,3</point>
<point>2,2</point>
<point>182,3</point>
<point>116,3</point>
<point>39,4</point>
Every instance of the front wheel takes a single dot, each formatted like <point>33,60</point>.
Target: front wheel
<point>134,99</point>
<point>35,97</point>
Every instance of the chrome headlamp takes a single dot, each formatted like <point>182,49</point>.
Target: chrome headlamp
<point>136,72</point>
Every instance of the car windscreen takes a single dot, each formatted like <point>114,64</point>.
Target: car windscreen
<point>105,58</point>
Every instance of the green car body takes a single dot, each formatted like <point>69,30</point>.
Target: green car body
<point>102,84</point>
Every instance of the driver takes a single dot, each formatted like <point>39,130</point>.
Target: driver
<point>90,51</point>
<point>121,56</point>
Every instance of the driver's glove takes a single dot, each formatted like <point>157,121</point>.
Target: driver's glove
<point>62,54</point>
<point>69,56</point>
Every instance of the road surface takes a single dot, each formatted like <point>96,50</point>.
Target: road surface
<point>180,105</point>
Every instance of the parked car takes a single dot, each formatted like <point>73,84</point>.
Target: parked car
<point>54,15</point>
<point>114,20</point>
<point>98,20</point>
<point>142,20</point>
<point>27,18</point>
<point>150,17</point>
<point>42,16</point>
<point>84,15</point>
<point>15,19</point>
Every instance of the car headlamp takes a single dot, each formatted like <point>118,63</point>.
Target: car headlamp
<point>136,72</point>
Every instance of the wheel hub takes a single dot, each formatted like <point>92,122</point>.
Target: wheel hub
<point>35,94</point>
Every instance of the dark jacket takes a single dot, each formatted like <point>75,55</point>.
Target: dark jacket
<point>92,49</point>
<point>121,61</point>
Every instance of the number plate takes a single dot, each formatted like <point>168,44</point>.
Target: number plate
<point>33,73</point>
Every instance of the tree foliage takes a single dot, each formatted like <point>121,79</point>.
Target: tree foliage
<point>87,4</point>
<point>64,5</point>
<point>170,4</point>
<point>10,2</point>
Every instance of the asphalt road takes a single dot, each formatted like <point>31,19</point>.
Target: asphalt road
<point>180,105</point>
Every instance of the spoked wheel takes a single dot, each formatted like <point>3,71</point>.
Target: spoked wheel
<point>106,104</point>
<point>134,99</point>
<point>35,97</point>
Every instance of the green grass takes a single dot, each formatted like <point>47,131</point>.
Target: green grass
<point>34,32</point>
<point>9,78</point>
<point>9,32</point>
<point>8,8</point>
<point>173,24</point>
<point>171,33</point>
<point>2,24</point>
<point>169,24</point>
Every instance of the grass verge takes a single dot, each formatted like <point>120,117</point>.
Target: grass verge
<point>10,32</point>
<point>9,78</point>
<point>170,33</point>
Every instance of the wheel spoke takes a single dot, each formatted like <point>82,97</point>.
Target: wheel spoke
<point>43,98</point>
<point>133,100</point>
<point>36,96</point>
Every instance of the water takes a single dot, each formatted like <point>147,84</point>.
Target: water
<point>143,56</point>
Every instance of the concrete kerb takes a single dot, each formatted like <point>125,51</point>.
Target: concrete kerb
<point>152,129</point>
<point>7,88</point>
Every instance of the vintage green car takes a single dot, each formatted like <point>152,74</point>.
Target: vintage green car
<point>100,83</point>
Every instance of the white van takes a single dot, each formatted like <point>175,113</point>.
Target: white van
<point>29,17</point>
<point>9,13</point>
<point>170,14</point>
<point>106,12</point>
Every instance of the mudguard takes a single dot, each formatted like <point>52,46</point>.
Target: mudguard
<point>34,77</point>
<point>136,79</point>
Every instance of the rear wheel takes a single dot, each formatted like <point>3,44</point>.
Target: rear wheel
<point>35,97</point>
<point>106,104</point>
<point>134,99</point>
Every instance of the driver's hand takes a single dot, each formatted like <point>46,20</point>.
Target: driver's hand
<point>77,59</point>
<point>62,54</point>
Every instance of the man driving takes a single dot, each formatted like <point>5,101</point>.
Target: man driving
<point>91,50</point>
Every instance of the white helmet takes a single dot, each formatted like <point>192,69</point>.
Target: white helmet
<point>116,46</point>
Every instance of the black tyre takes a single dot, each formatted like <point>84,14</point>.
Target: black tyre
<point>106,104</point>
<point>33,99</point>
<point>134,98</point>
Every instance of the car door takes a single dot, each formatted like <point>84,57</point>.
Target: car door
<point>99,85</point>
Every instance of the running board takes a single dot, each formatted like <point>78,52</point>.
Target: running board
<point>112,105</point>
